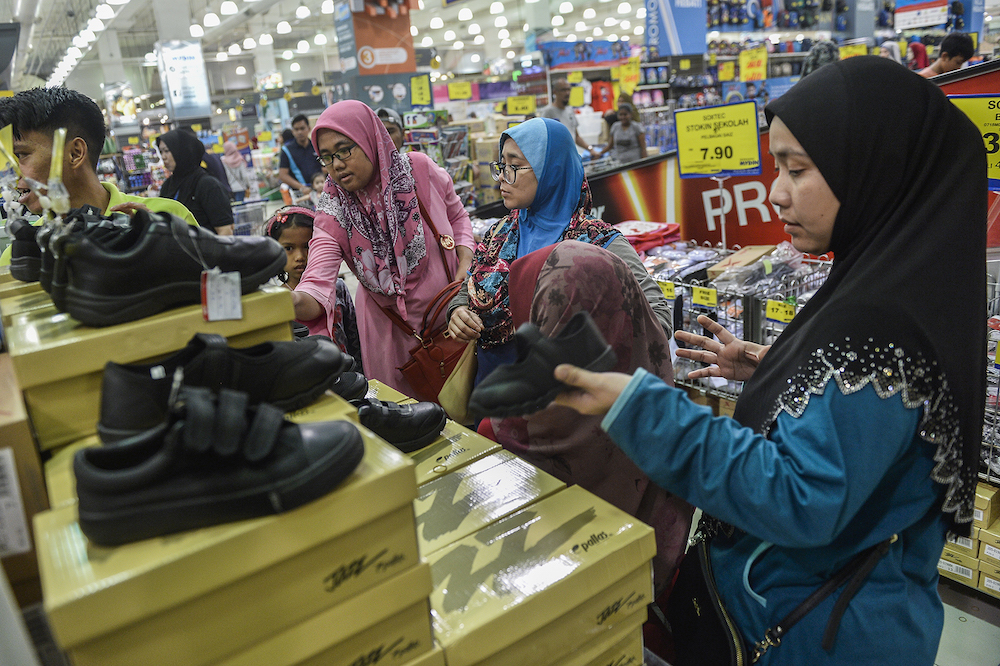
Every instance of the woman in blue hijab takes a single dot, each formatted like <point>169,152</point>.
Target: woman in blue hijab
<point>542,183</point>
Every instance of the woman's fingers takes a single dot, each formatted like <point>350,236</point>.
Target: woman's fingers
<point>716,329</point>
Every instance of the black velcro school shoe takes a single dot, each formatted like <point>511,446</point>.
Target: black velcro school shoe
<point>25,255</point>
<point>212,461</point>
<point>350,385</point>
<point>407,427</point>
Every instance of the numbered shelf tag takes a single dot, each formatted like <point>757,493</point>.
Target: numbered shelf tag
<point>668,290</point>
<point>705,297</point>
<point>221,297</point>
<point>780,311</point>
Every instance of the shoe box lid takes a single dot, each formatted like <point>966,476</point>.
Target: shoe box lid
<point>59,478</point>
<point>90,591</point>
<point>47,347</point>
<point>456,447</point>
<point>433,658</point>
<point>30,302</point>
<point>16,288</point>
<point>380,391</point>
<point>620,646</point>
<point>328,407</point>
<point>364,629</point>
<point>456,504</point>
<point>509,579</point>
<point>624,601</point>
<point>5,275</point>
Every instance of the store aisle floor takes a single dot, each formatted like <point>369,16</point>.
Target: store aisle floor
<point>971,635</point>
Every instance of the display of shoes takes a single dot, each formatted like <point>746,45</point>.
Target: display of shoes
<point>25,255</point>
<point>287,375</point>
<point>156,265</point>
<point>350,385</point>
<point>527,385</point>
<point>86,220</point>
<point>211,461</point>
<point>407,427</point>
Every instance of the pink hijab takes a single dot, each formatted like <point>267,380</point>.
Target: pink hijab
<point>382,220</point>
<point>231,155</point>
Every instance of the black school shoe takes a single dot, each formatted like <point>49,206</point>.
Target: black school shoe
<point>153,267</point>
<point>288,375</point>
<point>212,461</point>
<point>25,255</point>
<point>527,385</point>
<point>407,427</point>
<point>86,220</point>
<point>350,385</point>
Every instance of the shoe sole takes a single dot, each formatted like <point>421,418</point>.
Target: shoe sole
<point>112,528</point>
<point>606,361</point>
<point>96,310</point>
<point>425,440</point>
<point>26,269</point>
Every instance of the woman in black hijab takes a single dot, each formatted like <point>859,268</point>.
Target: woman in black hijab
<point>862,424</point>
<point>191,185</point>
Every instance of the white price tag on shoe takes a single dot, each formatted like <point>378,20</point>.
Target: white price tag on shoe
<point>221,297</point>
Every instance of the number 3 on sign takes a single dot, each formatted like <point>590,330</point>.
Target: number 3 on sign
<point>984,110</point>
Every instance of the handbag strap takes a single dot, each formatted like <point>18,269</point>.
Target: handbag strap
<point>443,242</point>
<point>853,573</point>
<point>440,300</point>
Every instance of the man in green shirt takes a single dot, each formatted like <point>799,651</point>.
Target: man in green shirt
<point>34,116</point>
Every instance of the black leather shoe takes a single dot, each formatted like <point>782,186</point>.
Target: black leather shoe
<point>527,385</point>
<point>86,220</point>
<point>288,375</point>
<point>25,255</point>
<point>350,385</point>
<point>407,427</point>
<point>155,266</point>
<point>212,461</point>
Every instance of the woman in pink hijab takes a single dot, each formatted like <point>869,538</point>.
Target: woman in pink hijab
<point>237,172</point>
<point>372,216</point>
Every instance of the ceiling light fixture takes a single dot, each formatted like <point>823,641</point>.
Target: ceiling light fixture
<point>479,39</point>
<point>80,42</point>
<point>580,26</point>
<point>638,30</point>
<point>475,57</point>
<point>427,42</point>
<point>221,56</point>
<point>104,12</point>
<point>266,39</point>
<point>287,55</point>
<point>598,32</point>
<point>283,28</point>
<point>234,49</point>
<point>459,45</point>
<point>510,55</point>
<point>558,20</point>
<point>302,12</point>
<point>474,29</point>
<point>196,30</point>
<point>413,30</point>
<point>295,67</point>
<point>95,24</point>
<point>496,8</point>
<point>88,35</point>
<point>640,13</point>
<point>570,37</point>
<point>319,39</point>
<point>465,14</point>
<point>241,70</point>
<point>610,21</point>
<point>589,13</point>
<point>624,8</point>
<point>326,7</point>
<point>500,22</point>
<point>625,24</point>
<point>449,35</point>
<point>436,23</point>
<point>229,8</point>
<point>503,33</point>
<point>249,43</point>
<point>211,20</point>
<point>566,8</point>
<point>505,44</point>
<point>302,46</point>
<point>612,37</point>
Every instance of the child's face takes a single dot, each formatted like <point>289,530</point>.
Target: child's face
<point>318,181</point>
<point>295,240</point>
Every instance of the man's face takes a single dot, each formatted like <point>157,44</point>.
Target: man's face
<point>950,63</point>
<point>561,93</point>
<point>34,155</point>
<point>301,132</point>
<point>395,133</point>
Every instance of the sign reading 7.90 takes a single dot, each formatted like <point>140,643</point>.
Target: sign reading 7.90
<point>718,141</point>
<point>984,111</point>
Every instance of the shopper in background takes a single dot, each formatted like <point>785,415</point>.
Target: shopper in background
<point>191,184</point>
<point>890,49</point>
<point>238,173</point>
<point>627,140</point>
<point>611,117</point>
<point>917,56</point>
<point>212,163</point>
<point>372,215</point>
<point>955,49</point>
<point>317,184</point>
<point>542,183</point>
<point>560,110</point>
<point>823,52</point>
<point>34,115</point>
<point>393,125</point>
<point>285,138</point>
<point>292,227</point>
<point>862,425</point>
<point>297,163</point>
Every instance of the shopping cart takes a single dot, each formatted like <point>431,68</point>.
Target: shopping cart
<point>249,217</point>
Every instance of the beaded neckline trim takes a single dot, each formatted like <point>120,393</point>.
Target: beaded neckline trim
<point>892,371</point>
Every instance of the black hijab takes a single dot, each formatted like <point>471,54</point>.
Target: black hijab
<point>187,151</point>
<point>905,304</point>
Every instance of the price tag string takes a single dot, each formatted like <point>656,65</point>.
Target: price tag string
<point>200,259</point>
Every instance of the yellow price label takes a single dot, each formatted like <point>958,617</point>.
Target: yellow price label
<point>753,64</point>
<point>630,75</point>
<point>576,96</point>
<point>684,65</point>
<point>420,90</point>
<point>779,311</point>
<point>7,148</point>
<point>984,111</point>
<point>668,290</point>
<point>460,90</point>
<point>196,127</point>
<point>575,77</point>
<point>287,96</point>
<point>712,59</point>
<point>727,70</point>
<point>852,50</point>
<point>520,105</point>
<point>705,296</point>
<point>718,141</point>
<point>133,141</point>
<point>218,148</point>
<point>264,136</point>
<point>616,73</point>
<point>315,90</point>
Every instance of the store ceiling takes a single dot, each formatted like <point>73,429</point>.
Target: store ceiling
<point>57,22</point>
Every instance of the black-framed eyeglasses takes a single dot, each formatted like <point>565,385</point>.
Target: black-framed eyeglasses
<point>508,172</point>
<point>343,155</point>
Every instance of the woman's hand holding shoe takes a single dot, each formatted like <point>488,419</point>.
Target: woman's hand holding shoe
<point>596,391</point>
<point>464,325</point>
<point>730,357</point>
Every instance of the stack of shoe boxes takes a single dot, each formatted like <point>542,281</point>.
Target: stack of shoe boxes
<point>975,560</point>
<point>565,580</point>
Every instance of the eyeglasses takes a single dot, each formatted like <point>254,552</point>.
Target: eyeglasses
<point>508,172</point>
<point>343,155</point>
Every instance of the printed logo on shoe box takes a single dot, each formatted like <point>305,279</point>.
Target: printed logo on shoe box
<point>393,651</point>
<point>591,542</point>
<point>382,561</point>
<point>627,604</point>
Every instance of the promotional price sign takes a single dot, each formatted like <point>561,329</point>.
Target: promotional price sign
<point>575,77</point>
<point>753,64</point>
<point>420,90</point>
<point>727,70</point>
<point>852,50</point>
<point>718,141</point>
<point>984,110</point>
<point>629,73</point>
<point>780,311</point>
<point>460,90</point>
<point>520,105</point>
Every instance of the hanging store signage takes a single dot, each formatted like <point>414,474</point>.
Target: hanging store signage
<point>718,141</point>
<point>920,13</point>
<point>184,79</point>
<point>675,27</point>
<point>460,90</point>
<point>520,105</point>
<point>420,90</point>
<point>984,110</point>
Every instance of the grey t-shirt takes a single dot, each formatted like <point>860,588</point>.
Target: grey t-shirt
<point>566,116</point>
<point>627,148</point>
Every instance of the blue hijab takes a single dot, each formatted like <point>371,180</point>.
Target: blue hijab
<point>551,151</point>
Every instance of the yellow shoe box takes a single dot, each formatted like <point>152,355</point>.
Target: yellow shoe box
<point>30,302</point>
<point>987,507</point>
<point>456,447</point>
<point>989,542</point>
<point>17,288</point>
<point>622,645</point>
<point>965,545</point>
<point>498,586</point>
<point>328,407</point>
<point>387,625</point>
<point>989,554</point>
<point>5,275</point>
<point>379,391</point>
<point>455,505</point>
<point>593,620</point>
<point>959,567</point>
<point>433,658</point>
<point>60,362</point>
<point>193,597</point>
<point>989,579</point>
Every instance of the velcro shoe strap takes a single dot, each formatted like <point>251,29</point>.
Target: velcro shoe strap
<point>216,361</point>
<point>199,419</point>
<point>230,421</point>
<point>263,432</point>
